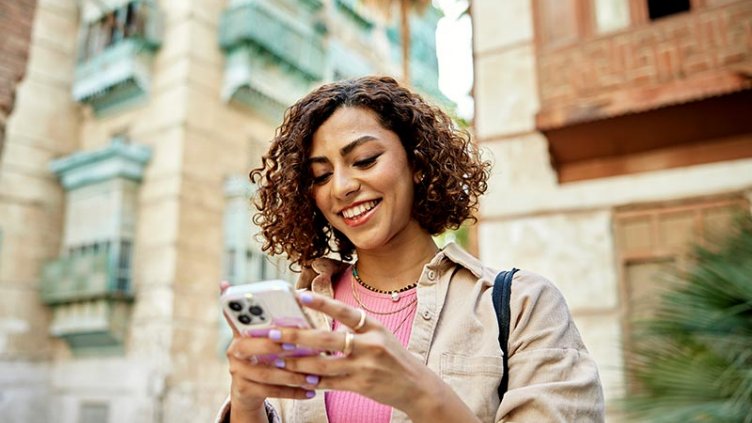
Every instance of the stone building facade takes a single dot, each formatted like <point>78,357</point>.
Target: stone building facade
<point>620,133</point>
<point>124,196</point>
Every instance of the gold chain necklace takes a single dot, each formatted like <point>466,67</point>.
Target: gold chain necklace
<point>356,296</point>
<point>394,293</point>
<point>402,322</point>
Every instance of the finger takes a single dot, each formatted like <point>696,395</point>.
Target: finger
<point>322,340</point>
<point>246,388</point>
<point>243,348</point>
<point>326,366</point>
<point>273,375</point>
<point>343,313</point>
<point>223,285</point>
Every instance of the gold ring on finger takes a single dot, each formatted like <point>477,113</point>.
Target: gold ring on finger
<point>348,344</point>
<point>361,322</point>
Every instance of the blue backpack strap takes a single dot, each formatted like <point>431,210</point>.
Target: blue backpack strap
<point>502,290</point>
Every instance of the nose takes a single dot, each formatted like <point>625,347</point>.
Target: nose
<point>344,184</point>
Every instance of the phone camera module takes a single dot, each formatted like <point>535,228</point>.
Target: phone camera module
<point>244,319</point>
<point>235,306</point>
<point>256,310</point>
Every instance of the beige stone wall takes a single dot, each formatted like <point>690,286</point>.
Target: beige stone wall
<point>564,232</point>
<point>43,125</point>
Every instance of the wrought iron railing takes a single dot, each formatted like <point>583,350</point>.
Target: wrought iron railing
<point>98,270</point>
<point>293,43</point>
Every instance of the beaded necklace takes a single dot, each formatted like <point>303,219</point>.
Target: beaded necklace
<point>394,293</point>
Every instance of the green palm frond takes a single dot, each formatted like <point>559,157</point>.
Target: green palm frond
<point>691,360</point>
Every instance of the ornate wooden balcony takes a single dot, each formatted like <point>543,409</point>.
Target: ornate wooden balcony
<point>98,272</point>
<point>292,43</point>
<point>115,55</point>
<point>667,93</point>
<point>90,290</point>
<point>273,56</point>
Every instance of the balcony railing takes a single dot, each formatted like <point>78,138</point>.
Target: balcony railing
<point>354,10</point>
<point>294,44</point>
<point>114,56</point>
<point>97,271</point>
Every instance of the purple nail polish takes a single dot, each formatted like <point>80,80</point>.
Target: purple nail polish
<point>288,347</point>
<point>306,298</point>
<point>312,379</point>
<point>279,363</point>
<point>310,394</point>
<point>275,335</point>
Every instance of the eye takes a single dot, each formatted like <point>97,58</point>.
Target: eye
<point>318,180</point>
<point>367,162</point>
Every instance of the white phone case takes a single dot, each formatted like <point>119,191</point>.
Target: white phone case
<point>257,307</point>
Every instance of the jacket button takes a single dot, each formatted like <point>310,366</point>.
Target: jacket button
<point>431,275</point>
<point>426,314</point>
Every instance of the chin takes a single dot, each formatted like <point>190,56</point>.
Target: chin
<point>368,242</point>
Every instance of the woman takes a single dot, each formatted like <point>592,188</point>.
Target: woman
<point>365,168</point>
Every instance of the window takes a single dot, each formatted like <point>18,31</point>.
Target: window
<point>661,8</point>
<point>610,15</point>
<point>124,22</point>
<point>650,241</point>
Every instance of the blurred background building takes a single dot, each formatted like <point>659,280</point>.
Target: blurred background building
<point>621,133</point>
<point>123,187</point>
<point>619,129</point>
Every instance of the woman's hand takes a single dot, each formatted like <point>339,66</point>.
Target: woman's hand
<point>374,363</point>
<point>255,376</point>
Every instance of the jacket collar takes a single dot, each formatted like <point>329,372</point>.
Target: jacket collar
<point>320,275</point>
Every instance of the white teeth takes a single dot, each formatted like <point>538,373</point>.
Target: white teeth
<point>358,210</point>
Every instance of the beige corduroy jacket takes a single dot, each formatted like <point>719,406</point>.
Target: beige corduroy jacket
<point>552,377</point>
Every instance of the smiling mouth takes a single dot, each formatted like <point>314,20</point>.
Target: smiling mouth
<point>359,210</point>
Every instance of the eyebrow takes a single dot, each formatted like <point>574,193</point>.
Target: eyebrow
<point>346,149</point>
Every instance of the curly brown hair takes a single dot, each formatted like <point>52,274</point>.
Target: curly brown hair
<point>453,175</point>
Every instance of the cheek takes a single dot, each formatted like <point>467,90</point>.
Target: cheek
<point>318,199</point>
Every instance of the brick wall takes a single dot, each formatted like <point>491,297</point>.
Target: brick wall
<point>16,18</point>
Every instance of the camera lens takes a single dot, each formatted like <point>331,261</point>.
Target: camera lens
<point>256,310</point>
<point>244,319</point>
<point>234,305</point>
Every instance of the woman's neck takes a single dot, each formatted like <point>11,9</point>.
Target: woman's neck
<point>398,264</point>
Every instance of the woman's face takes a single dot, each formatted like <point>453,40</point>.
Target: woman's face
<point>362,181</point>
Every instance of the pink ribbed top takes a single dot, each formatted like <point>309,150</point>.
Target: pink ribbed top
<point>349,407</point>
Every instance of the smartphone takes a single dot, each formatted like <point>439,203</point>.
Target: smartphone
<point>256,308</point>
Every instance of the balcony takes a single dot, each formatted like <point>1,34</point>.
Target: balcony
<point>355,11</point>
<point>668,93</point>
<point>89,290</point>
<point>293,44</point>
<point>99,271</point>
<point>678,59</point>
<point>115,55</point>
<point>273,56</point>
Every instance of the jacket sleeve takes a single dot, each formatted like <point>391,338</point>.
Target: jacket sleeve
<point>552,377</point>
<point>224,413</point>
